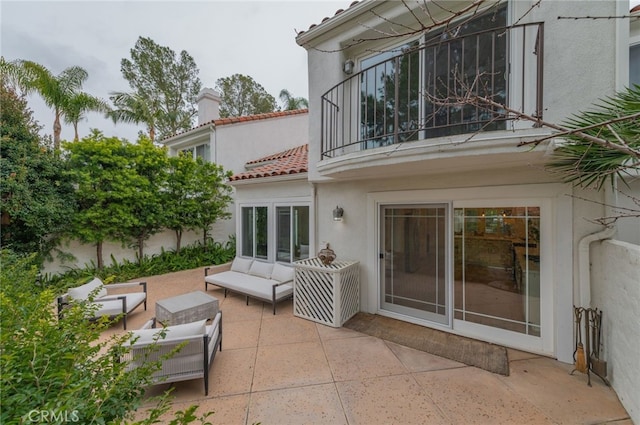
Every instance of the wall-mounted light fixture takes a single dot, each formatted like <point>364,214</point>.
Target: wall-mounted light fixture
<point>348,66</point>
<point>338,213</point>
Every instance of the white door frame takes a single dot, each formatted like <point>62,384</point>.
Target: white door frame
<point>556,243</point>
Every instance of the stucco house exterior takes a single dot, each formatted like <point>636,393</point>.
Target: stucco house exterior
<point>451,213</point>
<point>229,142</point>
<point>275,211</point>
<point>234,141</point>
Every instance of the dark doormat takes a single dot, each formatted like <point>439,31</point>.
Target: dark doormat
<point>469,351</point>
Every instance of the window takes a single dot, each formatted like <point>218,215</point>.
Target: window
<point>199,151</point>
<point>254,232</point>
<point>279,232</point>
<point>292,233</point>
<point>202,151</point>
<point>634,65</point>
<point>497,267</point>
<point>399,88</point>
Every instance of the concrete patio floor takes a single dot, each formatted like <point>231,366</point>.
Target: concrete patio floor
<point>286,370</point>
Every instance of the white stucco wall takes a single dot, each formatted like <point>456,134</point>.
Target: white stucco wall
<point>238,143</point>
<point>573,58</point>
<point>615,271</point>
<point>354,238</point>
<point>273,188</point>
<point>86,254</point>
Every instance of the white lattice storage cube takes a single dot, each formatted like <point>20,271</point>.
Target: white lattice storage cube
<point>326,294</point>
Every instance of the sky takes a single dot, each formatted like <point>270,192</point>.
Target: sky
<point>254,38</point>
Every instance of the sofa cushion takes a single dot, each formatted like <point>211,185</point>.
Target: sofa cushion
<point>260,269</point>
<point>82,292</point>
<point>282,273</point>
<point>241,265</point>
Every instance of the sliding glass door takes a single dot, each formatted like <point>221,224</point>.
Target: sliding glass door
<point>414,246</point>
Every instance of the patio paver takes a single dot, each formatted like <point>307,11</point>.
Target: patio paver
<point>286,370</point>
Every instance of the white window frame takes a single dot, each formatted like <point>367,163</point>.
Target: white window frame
<point>271,205</point>
<point>206,156</point>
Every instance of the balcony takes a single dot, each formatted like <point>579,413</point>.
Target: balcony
<point>419,94</point>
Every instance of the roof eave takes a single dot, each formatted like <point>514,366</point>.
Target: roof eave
<point>189,134</point>
<point>270,179</point>
<point>307,36</point>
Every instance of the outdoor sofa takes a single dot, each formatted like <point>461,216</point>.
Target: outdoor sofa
<point>97,294</point>
<point>196,344</point>
<point>266,282</point>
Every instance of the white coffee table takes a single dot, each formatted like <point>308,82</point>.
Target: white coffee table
<point>186,308</point>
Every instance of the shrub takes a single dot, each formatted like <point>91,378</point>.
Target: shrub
<point>59,370</point>
<point>190,257</point>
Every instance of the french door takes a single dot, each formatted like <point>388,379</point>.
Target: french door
<point>414,246</point>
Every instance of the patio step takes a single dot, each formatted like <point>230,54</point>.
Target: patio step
<point>472,352</point>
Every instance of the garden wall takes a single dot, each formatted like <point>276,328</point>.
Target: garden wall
<point>615,272</point>
<point>85,254</point>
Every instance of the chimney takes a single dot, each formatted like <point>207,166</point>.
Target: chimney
<point>208,105</point>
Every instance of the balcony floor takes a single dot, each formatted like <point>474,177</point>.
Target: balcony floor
<point>286,370</point>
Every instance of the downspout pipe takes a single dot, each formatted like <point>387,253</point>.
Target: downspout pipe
<point>584,247</point>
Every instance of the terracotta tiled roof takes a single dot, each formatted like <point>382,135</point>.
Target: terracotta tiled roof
<point>339,11</point>
<point>291,161</point>
<point>636,9</point>
<point>235,120</point>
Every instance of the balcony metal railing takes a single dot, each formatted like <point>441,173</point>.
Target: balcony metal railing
<point>425,91</point>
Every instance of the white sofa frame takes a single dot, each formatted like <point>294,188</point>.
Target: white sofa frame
<point>64,301</point>
<point>173,369</point>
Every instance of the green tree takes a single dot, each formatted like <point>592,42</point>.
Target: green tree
<point>214,198</point>
<point>55,90</point>
<point>181,204</point>
<point>241,95</point>
<point>146,206</point>
<point>290,102</point>
<point>134,109</point>
<point>168,85</point>
<point>13,76</point>
<point>78,105</point>
<point>37,195</point>
<point>101,169</point>
<point>195,195</point>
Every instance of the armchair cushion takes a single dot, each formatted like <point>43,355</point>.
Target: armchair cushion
<point>82,292</point>
<point>171,332</point>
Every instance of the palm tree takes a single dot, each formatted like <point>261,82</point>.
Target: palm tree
<point>14,76</point>
<point>291,103</point>
<point>133,108</point>
<point>601,143</point>
<point>78,105</point>
<point>56,91</point>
